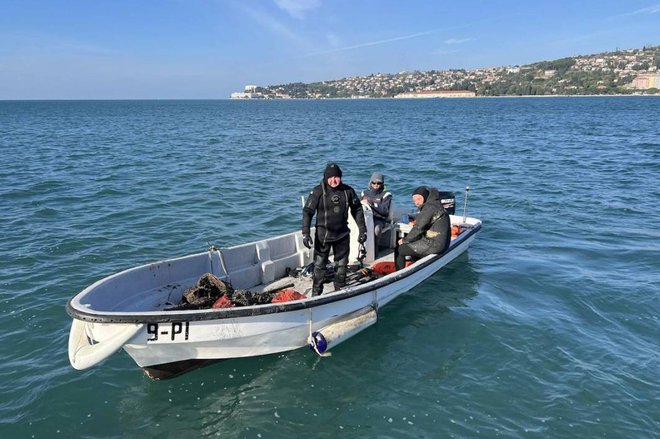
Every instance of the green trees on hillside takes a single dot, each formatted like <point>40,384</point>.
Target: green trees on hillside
<point>560,65</point>
<point>605,73</point>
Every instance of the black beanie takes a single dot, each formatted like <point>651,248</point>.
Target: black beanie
<point>423,192</point>
<point>332,170</point>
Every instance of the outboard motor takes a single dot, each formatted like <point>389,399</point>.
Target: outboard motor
<point>448,200</point>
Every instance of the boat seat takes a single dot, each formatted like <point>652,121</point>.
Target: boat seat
<point>389,234</point>
<point>389,223</point>
<point>277,254</point>
<point>242,266</point>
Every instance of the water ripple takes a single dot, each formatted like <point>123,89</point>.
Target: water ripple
<point>548,327</point>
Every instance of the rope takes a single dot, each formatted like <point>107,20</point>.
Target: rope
<point>213,248</point>
<point>210,250</point>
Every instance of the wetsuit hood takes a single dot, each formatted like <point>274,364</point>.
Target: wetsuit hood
<point>332,170</point>
<point>371,190</point>
<point>423,192</point>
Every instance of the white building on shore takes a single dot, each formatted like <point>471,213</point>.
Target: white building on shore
<point>437,94</point>
<point>644,82</point>
<point>250,92</point>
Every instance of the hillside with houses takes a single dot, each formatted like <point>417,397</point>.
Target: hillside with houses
<point>632,71</point>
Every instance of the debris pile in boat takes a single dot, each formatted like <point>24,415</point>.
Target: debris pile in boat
<point>206,291</point>
<point>211,292</point>
<point>361,275</point>
<point>357,274</point>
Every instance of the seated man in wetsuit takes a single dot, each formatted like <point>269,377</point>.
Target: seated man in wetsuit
<point>431,232</point>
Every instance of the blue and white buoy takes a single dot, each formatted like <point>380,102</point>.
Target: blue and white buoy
<point>330,336</point>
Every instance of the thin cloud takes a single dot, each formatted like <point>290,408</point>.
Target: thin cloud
<point>408,37</point>
<point>451,41</point>
<point>297,8</point>
<point>654,9</point>
<point>273,25</point>
<point>375,43</point>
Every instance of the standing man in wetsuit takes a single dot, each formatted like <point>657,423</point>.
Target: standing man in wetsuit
<point>330,201</point>
<point>431,232</point>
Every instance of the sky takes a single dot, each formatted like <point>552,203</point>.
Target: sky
<point>206,49</point>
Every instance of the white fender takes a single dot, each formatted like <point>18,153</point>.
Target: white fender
<point>330,336</point>
<point>84,354</point>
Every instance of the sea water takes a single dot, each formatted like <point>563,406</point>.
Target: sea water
<point>547,327</point>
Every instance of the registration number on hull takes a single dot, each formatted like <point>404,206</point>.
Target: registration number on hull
<point>174,331</point>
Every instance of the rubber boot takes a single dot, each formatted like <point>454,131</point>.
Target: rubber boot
<point>340,274</point>
<point>317,281</point>
<point>399,261</point>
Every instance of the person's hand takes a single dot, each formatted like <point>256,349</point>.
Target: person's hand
<point>307,240</point>
<point>362,238</point>
<point>400,242</point>
<point>364,201</point>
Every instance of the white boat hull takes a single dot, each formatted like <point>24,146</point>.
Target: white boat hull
<point>154,338</point>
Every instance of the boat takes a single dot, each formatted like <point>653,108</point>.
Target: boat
<point>136,309</point>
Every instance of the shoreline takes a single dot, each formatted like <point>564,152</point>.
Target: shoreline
<point>441,98</point>
<point>330,99</point>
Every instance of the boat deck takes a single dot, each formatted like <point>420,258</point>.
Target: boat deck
<point>303,284</point>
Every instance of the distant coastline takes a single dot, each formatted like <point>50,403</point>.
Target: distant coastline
<point>629,95</point>
<point>625,72</point>
<point>616,95</point>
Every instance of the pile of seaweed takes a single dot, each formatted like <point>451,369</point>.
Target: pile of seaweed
<point>211,292</point>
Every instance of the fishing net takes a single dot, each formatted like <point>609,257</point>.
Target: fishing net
<point>247,298</point>
<point>208,289</point>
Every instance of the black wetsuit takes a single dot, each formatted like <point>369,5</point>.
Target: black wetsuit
<point>430,234</point>
<point>379,200</point>
<point>331,206</point>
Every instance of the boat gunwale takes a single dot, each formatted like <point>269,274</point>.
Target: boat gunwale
<point>161,316</point>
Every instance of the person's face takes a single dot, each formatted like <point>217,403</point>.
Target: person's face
<point>376,184</point>
<point>333,182</point>
<point>418,200</point>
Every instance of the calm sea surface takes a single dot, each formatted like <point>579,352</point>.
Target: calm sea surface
<point>548,327</point>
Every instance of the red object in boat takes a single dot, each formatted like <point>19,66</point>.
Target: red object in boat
<point>223,302</point>
<point>384,268</point>
<point>286,296</point>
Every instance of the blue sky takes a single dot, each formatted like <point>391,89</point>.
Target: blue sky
<point>159,49</point>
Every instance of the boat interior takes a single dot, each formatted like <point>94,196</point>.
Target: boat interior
<point>262,266</point>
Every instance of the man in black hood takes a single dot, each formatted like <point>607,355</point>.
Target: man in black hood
<point>431,232</point>
<point>330,201</point>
